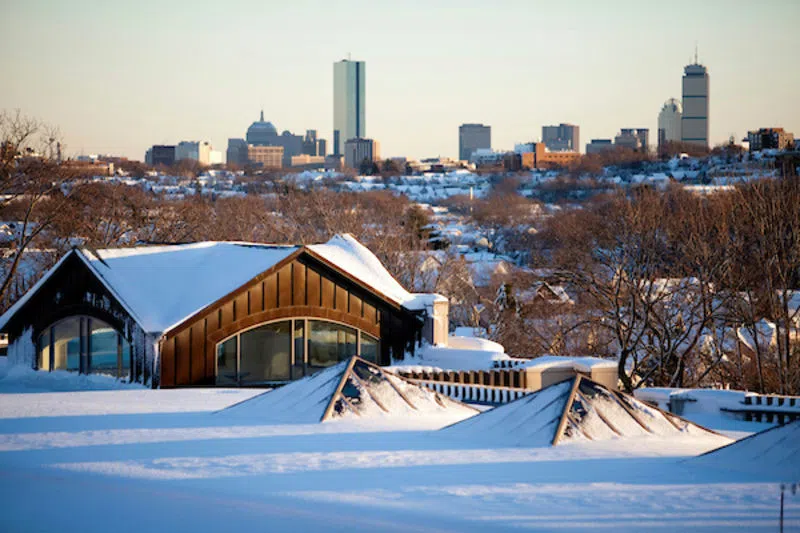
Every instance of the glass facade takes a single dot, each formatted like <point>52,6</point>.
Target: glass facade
<point>266,353</point>
<point>329,343</point>
<point>370,348</point>
<point>349,82</point>
<point>289,349</point>
<point>84,344</point>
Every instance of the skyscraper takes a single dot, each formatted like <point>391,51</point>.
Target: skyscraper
<point>348,103</point>
<point>669,122</point>
<point>562,138</point>
<point>472,137</point>
<point>694,122</point>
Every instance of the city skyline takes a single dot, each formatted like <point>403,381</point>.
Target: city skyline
<point>108,96</point>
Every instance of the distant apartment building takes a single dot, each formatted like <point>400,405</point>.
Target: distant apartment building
<point>199,151</point>
<point>669,122</point>
<point>636,139</point>
<point>597,146</point>
<point>695,118</point>
<point>539,157</point>
<point>562,138</point>
<point>471,138</point>
<point>267,157</point>
<point>160,155</point>
<point>770,139</point>
<point>357,150</point>
<point>313,146</point>
<point>236,154</point>
<point>308,161</point>
<point>349,103</point>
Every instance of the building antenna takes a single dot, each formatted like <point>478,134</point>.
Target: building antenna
<point>696,62</point>
<point>349,56</point>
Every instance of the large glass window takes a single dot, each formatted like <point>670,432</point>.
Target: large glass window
<point>290,349</point>
<point>370,348</point>
<point>329,343</point>
<point>266,353</point>
<point>67,345</point>
<point>84,344</point>
<point>104,349</point>
<point>226,362</point>
<point>43,362</point>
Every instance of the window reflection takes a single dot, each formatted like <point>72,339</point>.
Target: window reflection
<point>226,362</point>
<point>370,348</point>
<point>329,343</point>
<point>104,349</point>
<point>266,353</point>
<point>290,349</point>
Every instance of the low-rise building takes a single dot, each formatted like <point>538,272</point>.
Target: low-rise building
<point>357,150</point>
<point>634,138</point>
<point>541,158</point>
<point>268,157</point>
<point>597,146</point>
<point>770,138</point>
<point>160,155</point>
<point>199,151</point>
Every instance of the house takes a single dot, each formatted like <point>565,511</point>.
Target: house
<point>219,313</point>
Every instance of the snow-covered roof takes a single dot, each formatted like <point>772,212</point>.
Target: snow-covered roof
<point>581,364</point>
<point>161,286</point>
<point>349,255</point>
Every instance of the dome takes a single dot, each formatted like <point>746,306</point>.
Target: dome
<point>261,131</point>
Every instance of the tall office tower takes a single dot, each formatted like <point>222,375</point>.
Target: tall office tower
<point>562,138</point>
<point>473,137</point>
<point>669,123</point>
<point>694,123</point>
<point>348,103</point>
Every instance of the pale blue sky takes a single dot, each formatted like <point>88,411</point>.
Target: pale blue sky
<point>118,76</point>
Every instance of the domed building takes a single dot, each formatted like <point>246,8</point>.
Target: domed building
<point>262,133</point>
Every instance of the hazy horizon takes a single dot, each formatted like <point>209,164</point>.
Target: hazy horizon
<point>117,77</point>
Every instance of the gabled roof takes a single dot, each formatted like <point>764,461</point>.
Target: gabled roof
<point>347,254</point>
<point>352,389</point>
<point>573,410</point>
<point>162,286</point>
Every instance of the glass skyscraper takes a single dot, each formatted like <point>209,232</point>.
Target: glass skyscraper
<point>348,103</point>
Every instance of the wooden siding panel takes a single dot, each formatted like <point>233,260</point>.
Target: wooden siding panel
<point>299,288</point>
<point>271,288</point>
<point>198,353</point>
<point>355,305</point>
<point>182,348</point>
<point>210,350</point>
<point>227,314</point>
<point>327,293</point>
<point>314,289</point>
<point>168,363</point>
<point>242,308</point>
<point>341,299</point>
<point>256,298</point>
<point>285,286</point>
<point>370,313</point>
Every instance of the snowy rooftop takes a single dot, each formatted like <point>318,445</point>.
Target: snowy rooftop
<point>582,364</point>
<point>160,286</point>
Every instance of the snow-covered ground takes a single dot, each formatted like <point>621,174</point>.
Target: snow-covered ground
<point>132,459</point>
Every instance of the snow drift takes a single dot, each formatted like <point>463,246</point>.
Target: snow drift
<point>577,409</point>
<point>773,452</point>
<point>352,389</point>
